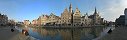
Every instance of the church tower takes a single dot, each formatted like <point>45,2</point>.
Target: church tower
<point>71,13</point>
<point>97,18</point>
<point>70,8</point>
<point>95,12</point>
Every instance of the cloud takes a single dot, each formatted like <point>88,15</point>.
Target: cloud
<point>112,9</point>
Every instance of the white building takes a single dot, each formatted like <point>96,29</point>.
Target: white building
<point>85,20</point>
<point>76,17</point>
<point>53,19</point>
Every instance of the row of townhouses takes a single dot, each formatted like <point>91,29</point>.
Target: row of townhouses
<point>3,19</point>
<point>69,17</point>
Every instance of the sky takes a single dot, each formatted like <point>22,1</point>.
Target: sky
<point>20,10</point>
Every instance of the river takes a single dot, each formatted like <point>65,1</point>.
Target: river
<point>92,33</point>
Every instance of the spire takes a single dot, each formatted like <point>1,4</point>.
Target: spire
<point>87,14</point>
<point>70,5</point>
<point>70,8</point>
<point>95,12</point>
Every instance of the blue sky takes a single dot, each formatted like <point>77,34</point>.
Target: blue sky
<point>31,9</point>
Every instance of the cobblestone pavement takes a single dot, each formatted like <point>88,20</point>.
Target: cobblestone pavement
<point>7,34</point>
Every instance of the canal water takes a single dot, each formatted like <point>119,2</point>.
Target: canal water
<point>66,34</point>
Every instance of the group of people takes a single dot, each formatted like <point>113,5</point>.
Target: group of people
<point>24,32</point>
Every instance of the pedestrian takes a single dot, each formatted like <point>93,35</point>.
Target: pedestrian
<point>12,30</point>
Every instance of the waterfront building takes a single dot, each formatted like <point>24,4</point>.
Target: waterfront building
<point>42,20</point>
<point>26,22</point>
<point>39,21</point>
<point>34,22</point>
<point>96,18</point>
<point>85,20</point>
<point>3,19</point>
<point>11,22</point>
<point>59,21</point>
<point>76,17</point>
<point>66,16</point>
<point>53,19</point>
<point>71,18</point>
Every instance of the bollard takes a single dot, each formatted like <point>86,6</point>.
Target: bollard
<point>12,30</point>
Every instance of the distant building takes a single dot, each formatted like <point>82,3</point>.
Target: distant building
<point>105,22</point>
<point>125,12</point>
<point>19,23</point>
<point>26,22</point>
<point>3,19</point>
<point>120,21</point>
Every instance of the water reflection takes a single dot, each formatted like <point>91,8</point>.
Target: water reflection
<point>66,34</point>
